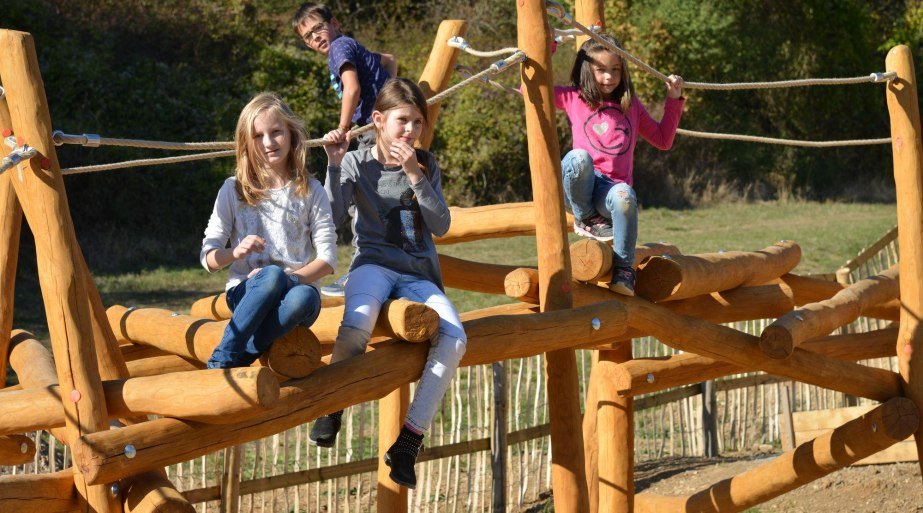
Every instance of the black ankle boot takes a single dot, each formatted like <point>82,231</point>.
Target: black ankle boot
<point>402,456</point>
<point>325,429</point>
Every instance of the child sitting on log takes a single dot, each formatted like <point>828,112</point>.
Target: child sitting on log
<point>397,192</point>
<point>606,118</point>
<point>277,219</point>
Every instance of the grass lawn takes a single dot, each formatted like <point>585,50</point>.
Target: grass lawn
<point>829,235</point>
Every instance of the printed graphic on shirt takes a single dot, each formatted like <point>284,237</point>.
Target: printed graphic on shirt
<point>276,220</point>
<point>404,223</point>
<point>608,130</point>
<point>337,86</point>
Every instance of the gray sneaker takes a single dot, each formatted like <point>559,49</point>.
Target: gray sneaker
<point>337,288</point>
<point>595,227</point>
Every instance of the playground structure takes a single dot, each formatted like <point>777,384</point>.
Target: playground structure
<point>109,366</point>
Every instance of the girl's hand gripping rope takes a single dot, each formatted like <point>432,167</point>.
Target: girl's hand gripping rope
<point>337,142</point>
<point>674,86</point>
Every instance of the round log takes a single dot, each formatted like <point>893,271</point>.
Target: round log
<point>907,148</point>
<point>591,259</point>
<point>399,318</point>
<point>780,338</point>
<point>682,276</point>
<point>474,276</point>
<point>367,377</point>
<point>878,429</point>
<point>39,493</point>
<point>152,492</point>
<point>10,228</point>
<point>807,290</point>
<point>438,71</point>
<point>492,221</point>
<point>157,365</point>
<point>16,449</point>
<point>216,307</point>
<point>522,284</point>
<point>616,435</point>
<point>295,354</point>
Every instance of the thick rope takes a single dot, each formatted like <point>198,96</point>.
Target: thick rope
<point>730,137</point>
<point>557,11</point>
<point>148,162</point>
<point>460,43</point>
<point>93,140</point>
<point>494,69</point>
<point>784,142</point>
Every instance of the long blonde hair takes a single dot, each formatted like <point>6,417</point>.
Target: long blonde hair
<point>582,75</point>
<point>252,178</point>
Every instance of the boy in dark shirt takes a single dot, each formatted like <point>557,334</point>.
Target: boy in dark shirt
<point>356,76</point>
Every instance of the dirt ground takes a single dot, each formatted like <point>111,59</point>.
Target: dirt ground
<point>895,488</point>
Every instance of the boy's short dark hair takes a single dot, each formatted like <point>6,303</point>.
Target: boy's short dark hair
<point>306,11</point>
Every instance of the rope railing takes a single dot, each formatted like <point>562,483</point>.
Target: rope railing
<point>460,43</point>
<point>783,142</point>
<point>730,137</point>
<point>148,162</point>
<point>93,140</point>
<point>558,11</point>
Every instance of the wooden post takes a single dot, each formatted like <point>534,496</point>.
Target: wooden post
<point>568,478</point>
<point>615,423</point>
<point>786,423</point>
<point>498,439</point>
<point>709,420</point>
<point>10,226</point>
<point>230,480</point>
<point>438,71</point>
<point>392,408</point>
<point>63,279</point>
<point>588,12</point>
<point>904,109</point>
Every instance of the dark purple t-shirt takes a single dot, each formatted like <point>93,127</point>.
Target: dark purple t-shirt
<point>368,66</point>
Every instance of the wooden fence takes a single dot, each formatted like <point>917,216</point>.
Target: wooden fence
<point>285,473</point>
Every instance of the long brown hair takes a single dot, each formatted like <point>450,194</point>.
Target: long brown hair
<point>252,177</point>
<point>581,75</point>
<point>401,92</point>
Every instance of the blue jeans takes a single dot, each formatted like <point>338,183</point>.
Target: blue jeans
<point>265,307</point>
<point>587,191</point>
<point>369,286</point>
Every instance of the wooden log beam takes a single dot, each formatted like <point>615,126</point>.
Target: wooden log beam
<point>463,274</point>
<point>295,354</point>
<point>653,374</point>
<point>214,396</point>
<point>492,221</point>
<point>40,493</point>
<point>807,290</point>
<point>591,260</point>
<point>515,334</point>
<point>216,308</point>
<point>157,365</point>
<point>674,277</point>
<point>438,71</point>
<point>62,275</point>
<point>551,225</point>
<point>906,145</point>
<point>616,436</point>
<point>813,320</point>
<point>16,449</point>
<point>399,318</point>
<point>878,429</point>
<point>152,492</point>
<point>10,228</point>
<point>698,336</point>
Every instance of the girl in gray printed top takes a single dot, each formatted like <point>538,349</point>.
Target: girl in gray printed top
<point>397,193</point>
<point>277,219</point>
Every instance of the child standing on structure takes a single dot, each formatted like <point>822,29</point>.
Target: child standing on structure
<point>356,75</point>
<point>397,191</point>
<point>606,118</point>
<point>277,219</point>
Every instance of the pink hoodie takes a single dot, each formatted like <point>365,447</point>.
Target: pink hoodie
<point>609,135</point>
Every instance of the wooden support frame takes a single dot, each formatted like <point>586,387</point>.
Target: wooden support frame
<point>878,429</point>
<point>567,461</point>
<point>10,228</point>
<point>904,109</point>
